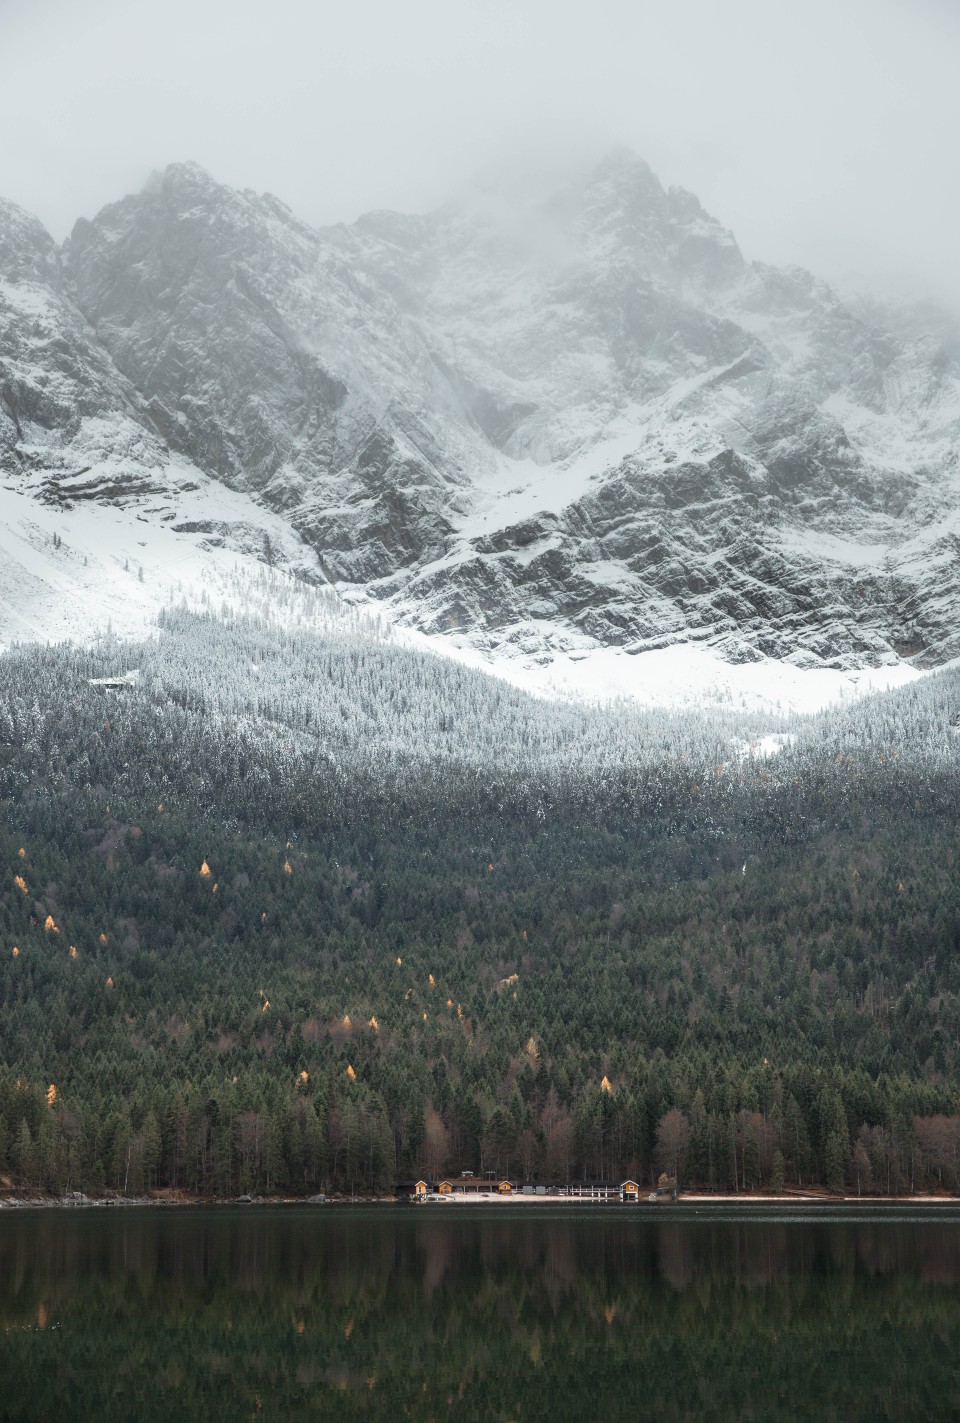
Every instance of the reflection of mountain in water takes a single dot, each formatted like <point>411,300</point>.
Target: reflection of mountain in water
<point>380,1315</point>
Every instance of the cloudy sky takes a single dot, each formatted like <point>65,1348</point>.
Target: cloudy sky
<point>824,133</point>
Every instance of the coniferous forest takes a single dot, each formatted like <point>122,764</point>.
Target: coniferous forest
<point>297,911</point>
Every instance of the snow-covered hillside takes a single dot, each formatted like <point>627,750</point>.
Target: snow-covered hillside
<point>78,574</point>
<point>587,445</point>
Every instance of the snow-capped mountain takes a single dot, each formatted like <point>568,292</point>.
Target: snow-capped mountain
<point>584,431</point>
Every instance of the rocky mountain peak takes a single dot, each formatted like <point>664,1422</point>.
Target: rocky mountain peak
<point>621,213</point>
<point>622,182</point>
<point>27,251</point>
<point>183,217</point>
<point>181,181</point>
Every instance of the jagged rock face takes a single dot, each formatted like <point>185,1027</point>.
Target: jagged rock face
<point>68,419</point>
<point>270,364</point>
<point>27,251</point>
<point>76,434</point>
<point>594,424</point>
<point>185,284</point>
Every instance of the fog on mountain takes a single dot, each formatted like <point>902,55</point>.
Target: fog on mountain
<point>601,429</point>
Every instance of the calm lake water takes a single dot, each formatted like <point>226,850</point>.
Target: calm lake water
<point>504,1314</point>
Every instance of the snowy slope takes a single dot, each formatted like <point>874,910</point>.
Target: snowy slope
<point>74,573</point>
<point>78,574</point>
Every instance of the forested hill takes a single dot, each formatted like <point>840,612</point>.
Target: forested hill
<point>292,912</point>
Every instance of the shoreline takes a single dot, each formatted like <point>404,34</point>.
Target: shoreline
<point>696,1199</point>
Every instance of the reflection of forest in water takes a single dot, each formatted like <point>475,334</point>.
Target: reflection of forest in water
<point>408,1313</point>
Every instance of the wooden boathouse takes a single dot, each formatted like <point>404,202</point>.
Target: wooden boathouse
<point>469,1186</point>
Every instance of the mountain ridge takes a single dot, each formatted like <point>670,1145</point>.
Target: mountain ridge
<point>595,430</point>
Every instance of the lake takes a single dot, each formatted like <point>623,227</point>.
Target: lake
<point>507,1314</point>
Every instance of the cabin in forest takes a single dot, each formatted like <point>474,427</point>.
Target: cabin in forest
<point>123,683</point>
<point>630,1190</point>
<point>505,1188</point>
